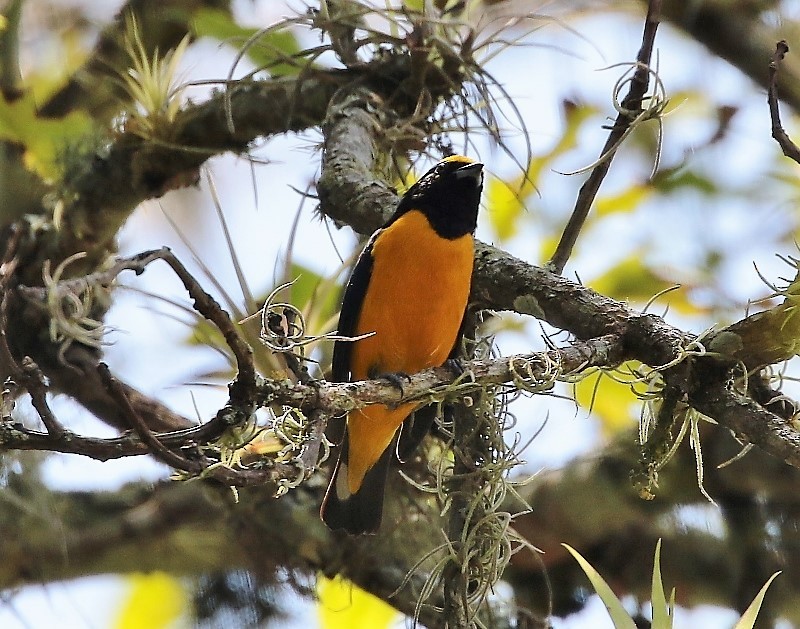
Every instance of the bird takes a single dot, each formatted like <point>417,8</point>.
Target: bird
<point>409,289</point>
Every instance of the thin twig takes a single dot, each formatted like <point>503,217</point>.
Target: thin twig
<point>789,148</point>
<point>631,106</point>
<point>34,383</point>
<point>158,449</point>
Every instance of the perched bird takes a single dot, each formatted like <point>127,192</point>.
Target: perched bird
<point>410,287</point>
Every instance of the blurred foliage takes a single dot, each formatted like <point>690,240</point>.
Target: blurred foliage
<point>699,186</point>
<point>506,199</point>
<point>44,139</point>
<point>267,49</point>
<point>633,280</point>
<point>156,601</point>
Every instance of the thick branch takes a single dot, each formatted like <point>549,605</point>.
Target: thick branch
<point>742,36</point>
<point>95,87</point>
<point>502,282</point>
<point>539,370</point>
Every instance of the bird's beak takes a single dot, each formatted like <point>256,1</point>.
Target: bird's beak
<point>473,170</point>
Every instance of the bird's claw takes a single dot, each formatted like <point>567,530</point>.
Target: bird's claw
<point>455,365</point>
<point>396,379</point>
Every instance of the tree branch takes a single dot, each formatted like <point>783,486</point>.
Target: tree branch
<point>348,193</point>
<point>743,37</point>
<point>629,112</point>
<point>782,138</point>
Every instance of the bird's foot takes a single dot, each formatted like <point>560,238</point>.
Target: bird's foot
<point>455,365</point>
<point>396,379</point>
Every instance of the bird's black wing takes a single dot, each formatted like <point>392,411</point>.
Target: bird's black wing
<point>352,301</point>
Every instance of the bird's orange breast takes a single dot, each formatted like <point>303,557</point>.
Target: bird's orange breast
<point>415,300</point>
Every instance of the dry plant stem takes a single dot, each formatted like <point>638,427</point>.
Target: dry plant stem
<point>462,488</point>
<point>789,148</point>
<point>631,105</point>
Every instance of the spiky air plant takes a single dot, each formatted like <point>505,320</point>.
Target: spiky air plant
<point>152,84</point>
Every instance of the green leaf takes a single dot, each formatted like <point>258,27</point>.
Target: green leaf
<point>619,616</point>
<point>626,201</point>
<point>43,139</point>
<point>748,619</point>
<point>632,280</point>
<point>670,180</point>
<point>418,6</point>
<point>271,46</point>
<point>343,605</point>
<point>305,287</point>
<point>506,206</point>
<point>662,613</point>
<point>505,200</point>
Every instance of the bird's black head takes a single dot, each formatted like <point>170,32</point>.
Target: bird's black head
<point>448,194</point>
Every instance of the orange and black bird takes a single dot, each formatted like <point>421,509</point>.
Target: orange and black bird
<point>409,287</point>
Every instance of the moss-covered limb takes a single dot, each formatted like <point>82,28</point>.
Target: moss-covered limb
<point>52,536</point>
<point>749,421</point>
<point>538,370</point>
<point>196,528</point>
<point>349,190</point>
<point>764,338</point>
<point>104,187</point>
<point>348,193</point>
<point>193,528</point>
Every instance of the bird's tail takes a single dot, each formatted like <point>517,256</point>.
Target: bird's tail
<point>359,512</point>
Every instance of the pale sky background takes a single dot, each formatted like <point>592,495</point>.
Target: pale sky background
<point>147,348</point>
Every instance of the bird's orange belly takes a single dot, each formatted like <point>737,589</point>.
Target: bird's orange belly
<point>414,304</point>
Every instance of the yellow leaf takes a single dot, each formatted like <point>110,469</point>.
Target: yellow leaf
<point>612,402</point>
<point>626,201</point>
<point>505,205</point>
<point>505,200</point>
<point>342,605</point>
<point>414,5</point>
<point>156,600</point>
